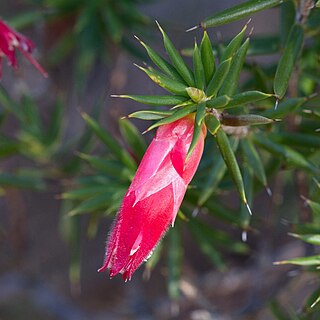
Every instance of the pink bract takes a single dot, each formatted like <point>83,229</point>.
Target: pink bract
<point>153,199</point>
<point>11,40</point>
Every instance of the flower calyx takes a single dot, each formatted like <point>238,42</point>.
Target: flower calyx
<point>196,94</point>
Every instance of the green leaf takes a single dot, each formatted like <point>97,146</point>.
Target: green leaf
<point>161,63</point>
<point>218,102</point>
<point>165,82</point>
<point>218,78</point>
<point>288,60</point>
<point>175,252</point>
<point>246,98</point>
<point>212,123</point>
<point>315,207</point>
<point>201,112</point>
<point>287,19</point>
<point>309,238</point>
<point>196,94</point>
<point>133,138</point>
<point>155,100</point>
<point>97,203</point>
<point>54,127</point>
<point>88,192</point>
<point>207,57</point>
<point>30,119</point>
<point>238,12</point>
<point>175,116</point>
<point>198,69</point>
<point>306,228</point>
<point>234,45</point>
<point>176,59</point>
<point>244,120</point>
<point>116,149</point>
<point>254,161</point>
<point>151,114</point>
<point>113,23</point>
<point>110,167</point>
<point>231,162</point>
<point>313,299</point>
<point>230,83</point>
<point>303,261</point>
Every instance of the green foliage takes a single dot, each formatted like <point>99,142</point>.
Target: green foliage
<point>39,141</point>
<point>238,12</point>
<point>311,262</point>
<point>288,60</point>
<point>207,91</point>
<point>103,189</point>
<point>86,30</point>
<point>222,83</point>
<point>241,155</point>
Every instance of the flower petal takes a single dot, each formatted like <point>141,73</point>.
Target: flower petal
<point>154,197</point>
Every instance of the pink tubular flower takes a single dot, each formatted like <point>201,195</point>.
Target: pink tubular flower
<point>154,197</point>
<point>9,41</point>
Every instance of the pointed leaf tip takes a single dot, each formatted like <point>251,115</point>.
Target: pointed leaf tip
<point>238,12</point>
<point>83,114</point>
<point>244,236</point>
<point>318,299</point>
<point>269,191</point>
<point>194,28</point>
<point>250,32</point>
<point>249,20</point>
<point>159,26</point>
<point>248,208</point>
<point>140,67</point>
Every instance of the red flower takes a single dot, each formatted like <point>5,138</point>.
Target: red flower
<point>153,198</point>
<point>9,41</point>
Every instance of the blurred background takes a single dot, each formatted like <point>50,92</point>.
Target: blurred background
<point>40,275</point>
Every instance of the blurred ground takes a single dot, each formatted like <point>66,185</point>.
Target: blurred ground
<point>34,259</point>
